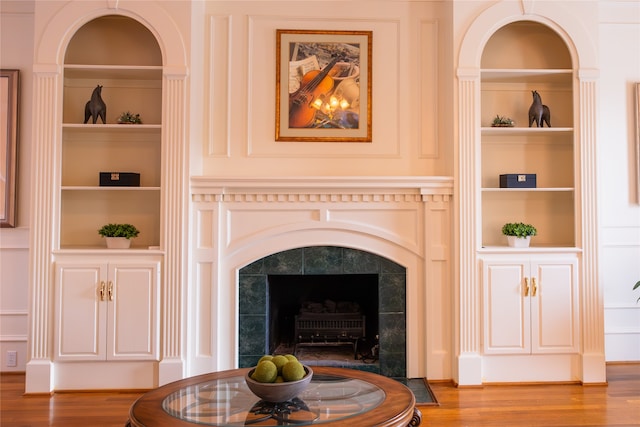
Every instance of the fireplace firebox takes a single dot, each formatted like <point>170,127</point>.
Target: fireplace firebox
<point>323,311</point>
<point>277,288</point>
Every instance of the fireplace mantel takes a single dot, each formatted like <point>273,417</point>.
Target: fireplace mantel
<point>238,220</point>
<point>202,185</point>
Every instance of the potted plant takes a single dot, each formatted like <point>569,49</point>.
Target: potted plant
<point>500,121</point>
<point>636,286</point>
<point>128,118</point>
<point>519,234</point>
<point>118,236</point>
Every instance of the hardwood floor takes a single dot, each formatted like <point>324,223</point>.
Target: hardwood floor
<point>616,404</point>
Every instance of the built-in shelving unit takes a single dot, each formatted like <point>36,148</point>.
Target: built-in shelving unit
<point>513,67</point>
<point>129,67</point>
<point>530,311</point>
<point>508,51</point>
<point>125,47</point>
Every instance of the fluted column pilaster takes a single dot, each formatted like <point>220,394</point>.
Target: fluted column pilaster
<point>468,310</point>
<point>174,202</point>
<point>44,213</point>
<point>590,290</point>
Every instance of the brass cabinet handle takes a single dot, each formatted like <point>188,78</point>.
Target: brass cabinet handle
<point>534,290</point>
<point>101,291</point>
<point>110,291</point>
<point>526,286</point>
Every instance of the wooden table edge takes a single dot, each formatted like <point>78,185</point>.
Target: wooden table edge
<point>398,408</point>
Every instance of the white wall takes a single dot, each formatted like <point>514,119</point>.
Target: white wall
<point>411,89</point>
<point>16,52</point>
<point>619,34</point>
<point>618,177</point>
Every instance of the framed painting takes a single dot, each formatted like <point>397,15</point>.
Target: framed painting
<point>637,145</point>
<point>323,86</point>
<point>8,145</point>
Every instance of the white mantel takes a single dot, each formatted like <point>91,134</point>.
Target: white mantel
<point>239,220</point>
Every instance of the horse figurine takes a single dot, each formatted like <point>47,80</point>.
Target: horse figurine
<point>538,112</point>
<point>95,106</point>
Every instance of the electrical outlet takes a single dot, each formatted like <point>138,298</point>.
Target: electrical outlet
<point>12,359</point>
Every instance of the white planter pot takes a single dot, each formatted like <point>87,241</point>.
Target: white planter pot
<point>118,242</point>
<point>519,242</point>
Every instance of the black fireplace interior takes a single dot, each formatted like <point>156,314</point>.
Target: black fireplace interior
<point>288,295</point>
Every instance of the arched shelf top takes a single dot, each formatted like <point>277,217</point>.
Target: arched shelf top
<point>56,37</point>
<point>581,49</point>
<point>545,49</point>
<point>113,40</point>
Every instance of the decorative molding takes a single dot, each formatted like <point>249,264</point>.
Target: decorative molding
<point>13,338</point>
<point>313,197</point>
<point>217,128</point>
<point>429,124</point>
<point>337,184</point>
<point>14,313</point>
<point>322,189</point>
<point>44,148</point>
<point>12,239</point>
<point>527,6</point>
<point>469,292</point>
<point>592,303</point>
<point>175,171</point>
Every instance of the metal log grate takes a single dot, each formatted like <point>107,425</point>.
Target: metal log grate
<point>329,329</point>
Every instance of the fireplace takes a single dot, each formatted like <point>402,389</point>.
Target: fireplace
<point>249,231</point>
<point>275,288</point>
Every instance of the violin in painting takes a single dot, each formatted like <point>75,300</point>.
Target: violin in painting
<point>313,85</point>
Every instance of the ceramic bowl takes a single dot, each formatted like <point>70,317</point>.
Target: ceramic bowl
<point>279,392</point>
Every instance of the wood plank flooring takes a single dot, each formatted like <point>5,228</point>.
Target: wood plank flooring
<point>616,404</point>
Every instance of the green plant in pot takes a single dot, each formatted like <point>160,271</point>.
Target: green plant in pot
<point>518,233</point>
<point>118,236</point>
<point>636,286</point>
<point>128,118</point>
<point>501,121</point>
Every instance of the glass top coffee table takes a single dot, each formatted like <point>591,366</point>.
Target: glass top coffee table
<point>335,396</point>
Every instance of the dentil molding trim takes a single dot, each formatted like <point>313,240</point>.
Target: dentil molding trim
<point>321,189</point>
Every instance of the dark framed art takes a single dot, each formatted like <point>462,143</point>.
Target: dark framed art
<point>8,145</point>
<point>323,86</point>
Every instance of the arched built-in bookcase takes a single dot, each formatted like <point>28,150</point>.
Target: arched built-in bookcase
<point>66,201</point>
<point>510,49</point>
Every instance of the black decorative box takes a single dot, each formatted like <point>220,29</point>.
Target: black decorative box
<point>119,179</point>
<point>518,180</point>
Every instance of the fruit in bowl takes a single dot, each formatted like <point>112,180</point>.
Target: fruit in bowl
<point>278,378</point>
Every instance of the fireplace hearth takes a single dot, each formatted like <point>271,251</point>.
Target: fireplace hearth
<point>276,289</point>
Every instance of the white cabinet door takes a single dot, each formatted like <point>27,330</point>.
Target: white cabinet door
<point>530,305</point>
<point>506,312</point>
<point>554,306</point>
<point>81,312</point>
<point>133,310</point>
<point>107,311</point>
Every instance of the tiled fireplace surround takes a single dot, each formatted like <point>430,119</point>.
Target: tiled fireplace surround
<point>396,227</point>
<point>325,260</point>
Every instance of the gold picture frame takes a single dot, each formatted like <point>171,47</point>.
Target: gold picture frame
<point>323,86</point>
<point>637,140</point>
<point>8,145</point>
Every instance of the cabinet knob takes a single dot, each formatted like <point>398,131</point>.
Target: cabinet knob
<point>526,286</point>
<point>102,291</point>
<point>110,291</point>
